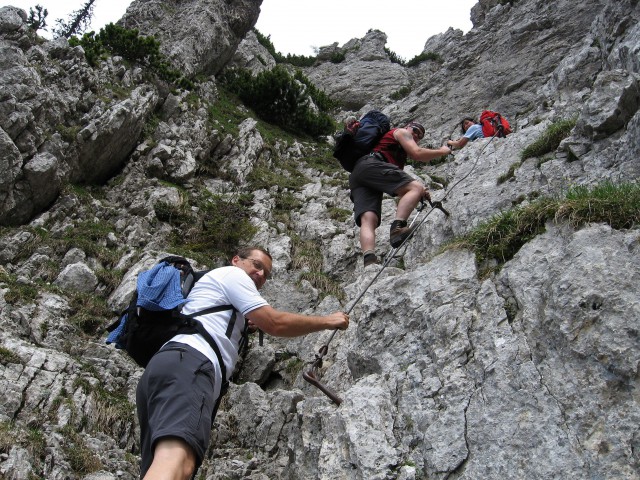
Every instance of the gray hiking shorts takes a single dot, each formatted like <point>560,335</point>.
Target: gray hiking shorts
<point>370,178</point>
<point>175,398</point>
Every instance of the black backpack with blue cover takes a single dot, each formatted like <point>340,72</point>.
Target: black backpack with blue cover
<point>359,138</point>
<point>154,315</point>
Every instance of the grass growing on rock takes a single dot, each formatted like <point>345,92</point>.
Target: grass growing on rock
<point>17,291</point>
<point>88,311</point>
<point>82,232</point>
<point>80,457</point>
<point>285,175</point>
<point>324,283</point>
<point>500,237</point>
<point>30,438</point>
<point>339,214</point>
<point>8,356</point>
<point>550,139</point>
<point>322,159</point>
<point>112,412</point>
<point>307,256</point>
<point>509,174</point>
<point>226,113</point>
<point>216,228</point>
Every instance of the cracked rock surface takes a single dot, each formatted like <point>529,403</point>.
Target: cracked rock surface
<point>449,370</point>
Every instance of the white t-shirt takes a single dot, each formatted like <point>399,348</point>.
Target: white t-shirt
<point>221,286</point>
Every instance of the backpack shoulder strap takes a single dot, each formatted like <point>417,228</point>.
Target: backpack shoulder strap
<point>219,308</point>
<point>223,370</point>
<point>207,311</point>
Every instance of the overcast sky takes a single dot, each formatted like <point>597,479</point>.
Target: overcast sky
<point>297,26</point>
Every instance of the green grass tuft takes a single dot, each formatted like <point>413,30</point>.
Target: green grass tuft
<point>550,139</point>
<point>501,237</point>
<point>510,173</point>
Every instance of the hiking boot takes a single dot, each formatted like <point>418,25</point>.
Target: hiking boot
<point>399,232</point>
<point>370,259</point>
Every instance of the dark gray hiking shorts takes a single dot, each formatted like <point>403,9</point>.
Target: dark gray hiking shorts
<point>175,398</point>
<point>371,177</point>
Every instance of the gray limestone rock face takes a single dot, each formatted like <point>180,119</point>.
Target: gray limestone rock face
<point>449,369</point>
<point>198,37</point>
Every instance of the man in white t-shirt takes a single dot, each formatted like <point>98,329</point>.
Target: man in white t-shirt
<point>178,393</point>
<point>470,130</point>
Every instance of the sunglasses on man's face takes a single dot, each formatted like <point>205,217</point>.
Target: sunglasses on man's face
<point>418,132</point>
<point>258,265</point>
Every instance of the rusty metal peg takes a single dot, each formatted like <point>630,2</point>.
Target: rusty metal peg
<point>310,377</point>
<point>438,205</point>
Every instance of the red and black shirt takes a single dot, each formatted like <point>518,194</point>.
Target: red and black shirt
<point>391,150</point>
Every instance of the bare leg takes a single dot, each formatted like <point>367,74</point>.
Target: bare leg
<point>173,459</point>
<point>368,225</point>
<point>410,194</point>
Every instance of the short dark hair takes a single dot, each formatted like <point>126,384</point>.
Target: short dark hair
<point>244,252</point>
<point>462,123</point>
<point>416,125</point>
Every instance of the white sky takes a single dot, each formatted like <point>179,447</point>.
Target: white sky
<point>297,26</point>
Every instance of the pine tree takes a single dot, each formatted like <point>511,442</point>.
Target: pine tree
<point>78,22</point>
<point>37,18</point>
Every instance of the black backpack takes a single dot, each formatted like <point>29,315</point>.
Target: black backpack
<point>359,138</point>
<point>141,331</point>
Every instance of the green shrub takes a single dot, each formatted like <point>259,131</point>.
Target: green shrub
<point>550,139</point>
<point>300,60</point>
<point>320,99</point>
<point>282,99</point>
<point>338,57</point>
<point>216,229</point>
<point>78,22</point>
<point>129,44</point>
<point>400,93</point>
<point>295,60</point>
<point>266,43</point>
<point>394,57</point>
<point>423,57</point>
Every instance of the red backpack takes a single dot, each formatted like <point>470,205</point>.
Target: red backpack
<point>494,124</point>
